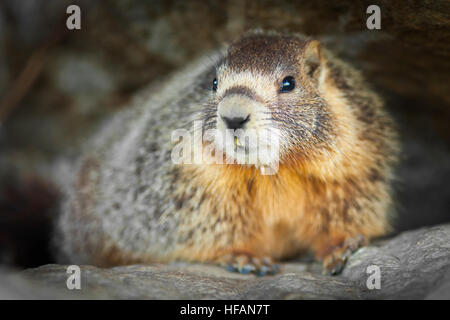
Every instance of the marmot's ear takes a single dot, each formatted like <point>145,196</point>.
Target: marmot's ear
<point>313,62</point>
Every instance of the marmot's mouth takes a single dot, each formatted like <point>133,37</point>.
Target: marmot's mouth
<point>240,145</point>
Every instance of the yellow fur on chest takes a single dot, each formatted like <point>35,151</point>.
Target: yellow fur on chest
<point>271,209</point>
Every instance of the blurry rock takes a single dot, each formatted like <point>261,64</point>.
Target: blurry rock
<point>413,265</point>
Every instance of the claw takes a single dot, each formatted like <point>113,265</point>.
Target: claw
<point>346,255</point>
<point>246,264</point>
<point>230,268</point>
<point>263,271</point>
<point>334,263</point>
<point>337,268</point>
<point>248,268</point>
<point>275,269</point>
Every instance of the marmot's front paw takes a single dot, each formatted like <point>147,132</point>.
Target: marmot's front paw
<point>246,264</point>
<point>334,262</point>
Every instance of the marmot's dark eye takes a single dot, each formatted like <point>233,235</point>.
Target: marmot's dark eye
<point>288,84</point>
<point>214,86</point>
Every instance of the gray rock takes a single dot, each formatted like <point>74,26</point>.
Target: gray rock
<point>413,265</point>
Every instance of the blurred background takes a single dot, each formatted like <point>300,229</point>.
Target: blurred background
<point>57,85</point>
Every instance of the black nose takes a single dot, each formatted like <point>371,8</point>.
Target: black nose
<point>236,123</point>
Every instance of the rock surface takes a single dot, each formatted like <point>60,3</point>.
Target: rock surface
<point>413,265</point>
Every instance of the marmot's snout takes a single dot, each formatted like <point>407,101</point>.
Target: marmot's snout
<point>236,123</point>
<point>244,128</point>
<point>235,112</point>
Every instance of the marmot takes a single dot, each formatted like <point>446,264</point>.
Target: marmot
<point>130,203</point>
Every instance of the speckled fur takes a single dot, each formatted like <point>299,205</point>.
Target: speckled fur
<point>129,203</point>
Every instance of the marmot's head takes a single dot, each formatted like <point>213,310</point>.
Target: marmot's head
<point>270,84</point>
